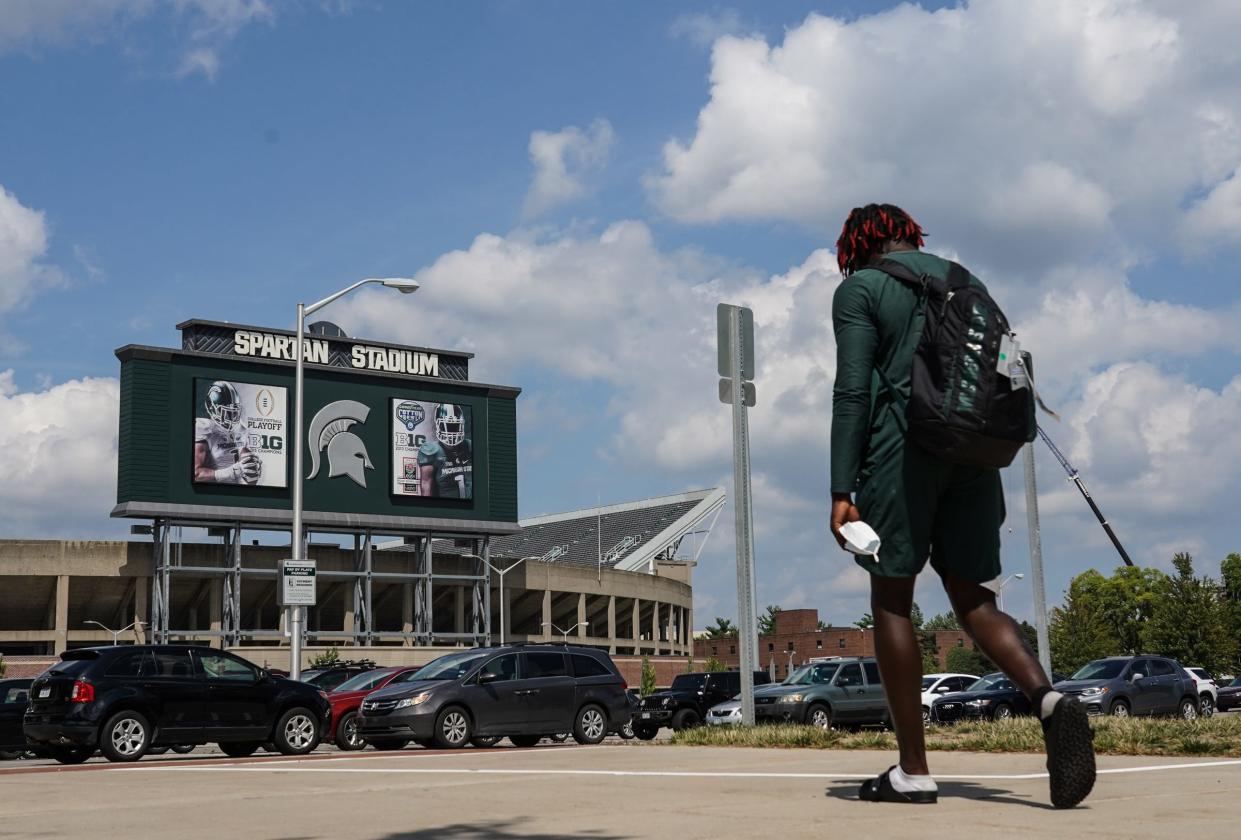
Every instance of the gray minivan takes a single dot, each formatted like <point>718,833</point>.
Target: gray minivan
<point>1133,685</point>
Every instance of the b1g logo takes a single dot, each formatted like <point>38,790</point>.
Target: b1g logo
<point>410,414</point>
<point>264,402</point>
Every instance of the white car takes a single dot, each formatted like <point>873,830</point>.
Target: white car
<point>727,713</point>
<point>1208,691</point>
<point>937,685</point>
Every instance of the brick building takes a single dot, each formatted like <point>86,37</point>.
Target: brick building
<point>798,638</point>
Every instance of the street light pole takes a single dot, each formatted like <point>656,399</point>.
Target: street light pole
<point>999,590</point>
<point>502,573</point>
<point>294,614</point>
<point>115,633</point>
<point>565,633</point>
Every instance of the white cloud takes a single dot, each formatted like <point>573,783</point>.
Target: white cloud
<point>1217,217</point>
<point>200,60</point>
<point>564,161</point>
<point>23,242</point>
<point>704,29</point>
<point>1093,121</point>
<point>57,456</point>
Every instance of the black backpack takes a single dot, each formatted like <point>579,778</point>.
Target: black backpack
<point>960,406</point>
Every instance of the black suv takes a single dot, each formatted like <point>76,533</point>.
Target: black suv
<point>328,677</point>
<point>14,695</point>
<point>686,702</point>
<point>524,692</point>
<point>123,700</point>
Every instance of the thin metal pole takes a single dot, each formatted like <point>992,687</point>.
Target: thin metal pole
<point>1036,563</point>
<point>295,613</point>
<point>743,515</point>
<point>502,606</point>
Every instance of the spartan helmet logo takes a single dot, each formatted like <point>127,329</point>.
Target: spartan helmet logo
<point>346,454</point>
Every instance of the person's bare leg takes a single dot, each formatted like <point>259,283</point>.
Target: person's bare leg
<point>996,634</point>
<point>900,665</point>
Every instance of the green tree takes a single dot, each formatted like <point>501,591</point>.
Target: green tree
<point>767,621</point>
<point>823,625</point>
<point>722,629</point>
<point>1189,621</point>
<point>916,617</point>
<point>866,622</point>
<point>1230,592</point>
<point>967,660</point>
<point>1127,600</point>
<point>1078,629</point>
<point>712,665</point>
<point>943,621</point>
<point>1031,633</point>
<point>689,665</point>
<point>648,678</point>
<point>328,657</point>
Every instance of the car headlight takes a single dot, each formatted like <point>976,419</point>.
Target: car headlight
<point>978,703</point>
<point>406,702</point>
<point>665,701</point>
<point>1097,691</point>
<point>792,698</point>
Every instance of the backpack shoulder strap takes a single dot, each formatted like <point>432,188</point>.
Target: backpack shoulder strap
<point>902,272</point>
<point>958,277</point>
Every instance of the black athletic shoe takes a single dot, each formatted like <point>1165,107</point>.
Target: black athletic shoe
<point>881,790</point>
<point>1070,753</point>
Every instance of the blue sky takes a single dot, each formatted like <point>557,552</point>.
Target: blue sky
<point>223,159</point>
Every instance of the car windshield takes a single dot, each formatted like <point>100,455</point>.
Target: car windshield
<point>1235,683</point>
<point>454,666</point>
<point>1101,669</point>
<point>812,675</point>
<point>927,682</point>
<point>364,680</point>
<point>987,683</point>
<point>688,682</point>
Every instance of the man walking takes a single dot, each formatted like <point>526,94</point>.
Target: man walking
<point>922,507</point>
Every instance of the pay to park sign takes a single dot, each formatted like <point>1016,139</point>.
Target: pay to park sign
<point>297,583</point>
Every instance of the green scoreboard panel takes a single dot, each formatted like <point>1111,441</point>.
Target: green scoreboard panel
<point>206,435</point>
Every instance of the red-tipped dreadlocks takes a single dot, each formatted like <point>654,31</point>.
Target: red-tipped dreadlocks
<point>867,228</point>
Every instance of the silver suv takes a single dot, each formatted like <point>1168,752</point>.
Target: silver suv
<point>824,692</point>
<point>1133,685</point>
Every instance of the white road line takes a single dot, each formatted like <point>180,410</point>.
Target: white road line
<point>415,755</point>
<point>693,774</point>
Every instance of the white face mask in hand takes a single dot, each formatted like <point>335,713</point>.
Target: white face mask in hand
<point>860,538</point>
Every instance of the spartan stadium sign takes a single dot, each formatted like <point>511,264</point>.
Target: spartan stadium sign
<point>333,351</point>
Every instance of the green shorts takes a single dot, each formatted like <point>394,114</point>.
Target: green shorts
<point>922,507</point>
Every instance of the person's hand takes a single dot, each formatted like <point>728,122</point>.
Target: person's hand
<point>843,510</point>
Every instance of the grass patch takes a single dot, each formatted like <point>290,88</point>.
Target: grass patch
<point>1215,736</point>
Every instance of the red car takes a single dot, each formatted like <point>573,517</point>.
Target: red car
<point>348,697</point>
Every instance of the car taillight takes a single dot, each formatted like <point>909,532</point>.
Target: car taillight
<point>624,685</point>
<point>83,692</point>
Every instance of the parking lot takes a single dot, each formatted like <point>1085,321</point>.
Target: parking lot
<point>607,792</point>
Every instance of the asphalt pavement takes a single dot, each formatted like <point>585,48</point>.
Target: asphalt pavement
<point>609,792</point>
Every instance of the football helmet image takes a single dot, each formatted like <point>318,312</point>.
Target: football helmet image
<point>450,424</point>
<point>223,405</point>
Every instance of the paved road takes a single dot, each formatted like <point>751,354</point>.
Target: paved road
<point>609,792</point>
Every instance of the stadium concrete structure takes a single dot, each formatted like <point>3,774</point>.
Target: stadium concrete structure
<point>619,575</point>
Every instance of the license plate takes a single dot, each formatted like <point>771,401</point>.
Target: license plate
<point>646,715</point>
<point>46,691</point>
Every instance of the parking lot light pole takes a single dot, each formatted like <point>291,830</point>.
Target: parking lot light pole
<point>294,614</point>
<point>565,633</point>
<point>502,573</point>
<point>115,633</point>
<point>999,590</point>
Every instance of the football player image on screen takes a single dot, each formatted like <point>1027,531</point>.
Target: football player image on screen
<point>220,451</point>
<point>446,464</point>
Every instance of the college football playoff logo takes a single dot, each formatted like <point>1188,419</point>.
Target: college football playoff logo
<point>346,453</point>
<point>410,414</point>
<point>264,402</point>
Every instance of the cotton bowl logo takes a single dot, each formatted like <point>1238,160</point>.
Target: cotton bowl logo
<point>411,414</point>
<point>346,453</point>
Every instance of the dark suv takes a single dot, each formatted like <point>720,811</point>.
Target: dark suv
<point>329,677</point>
<point>524,692</point>
<point>686,702</point>
<point>1134,685</point>
<point>123,700</point>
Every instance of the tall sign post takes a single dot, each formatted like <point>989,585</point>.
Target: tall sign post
<point>735,334</point>
<point>1036,563</point>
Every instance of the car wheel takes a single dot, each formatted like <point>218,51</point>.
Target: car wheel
<point>684,719</point>
<point>71,755</point>
<point>452,728</point>
<point>347,737</point>
<point>485,741</point>
<point>645,733</point>
<point>158,750</point>
<point>926,715</point>
<point>819,715</point>
<point>1206,706</point>
<point>184,749</point>
<point>524,740</point>
<point>8,755</point>
<point>1120,709</point>
<point>240,749</point>
<point>387,744</point>
<point>1188,710</point>
<point>591,726</point>
<point>626,731</point>
<point>297,733</point>
<point>125,737</point>
<point>559,737</point>
<point>1003,711</point>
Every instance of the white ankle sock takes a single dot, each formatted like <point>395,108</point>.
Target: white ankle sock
<point>906,783</point>
<point>1050,699</point>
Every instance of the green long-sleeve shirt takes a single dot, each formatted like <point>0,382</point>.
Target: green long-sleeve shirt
<point>877,321</point>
